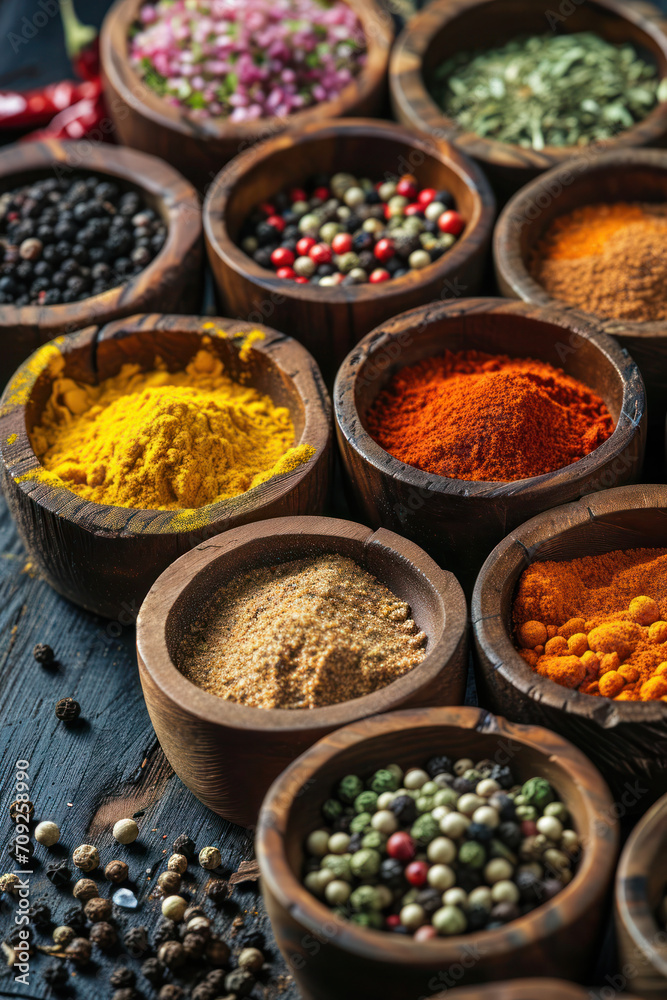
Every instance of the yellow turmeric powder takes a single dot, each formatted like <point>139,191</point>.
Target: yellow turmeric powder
<point>604,619</point>
<point>164,440</point>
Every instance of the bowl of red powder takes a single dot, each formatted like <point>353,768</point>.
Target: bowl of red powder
<point>592,235</point>
<point>458,421</point>
<point>569,619</point>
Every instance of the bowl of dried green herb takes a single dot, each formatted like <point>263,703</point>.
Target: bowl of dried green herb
<point>535,87</point>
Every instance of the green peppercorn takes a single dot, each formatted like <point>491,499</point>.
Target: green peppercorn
<point>559,810</point>
<point>425,803</point>
<point>349,787</point>
<point>384,780</point>
<point>332,810</point>
<point>472,854</point>
<point>425,829</point>
<point>365,863</point>
<point>361,823</point>
<point>373,920</point>
<point>366,898</point>
<point>445,797</point>
<point>329,230</point>
<point>538,792</point>
<point>309,223</point>
<point>527,812</point>
<point>339,865</point>
<point>366,802</point>
<point>374,841</point>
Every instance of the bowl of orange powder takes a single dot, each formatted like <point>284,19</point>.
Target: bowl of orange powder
<point>459,420</point>
<point>570,621</point>
<point>592,235</point>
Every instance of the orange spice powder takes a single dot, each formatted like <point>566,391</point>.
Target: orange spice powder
<point>598,624</point>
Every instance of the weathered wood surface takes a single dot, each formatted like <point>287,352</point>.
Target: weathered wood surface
<point>87,776</point>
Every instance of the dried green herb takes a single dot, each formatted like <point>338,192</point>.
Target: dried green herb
<point>549,90</point>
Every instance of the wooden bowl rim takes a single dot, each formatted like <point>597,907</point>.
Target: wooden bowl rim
<point>525,989</point>
<point>405,73</point>
<point>511,552</point>
<point>289,356</point>
<point>221,245</point>
<point>595,868</point>
<point>642,927</point>
<point>154,654</point>
<point>572,322</point>
<point>148,173</point>
<point>509,263</point>
<point>378,29</point>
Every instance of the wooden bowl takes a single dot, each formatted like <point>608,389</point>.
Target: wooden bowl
<point>622,175</point>
<point>460,521</point>
<point>527,989</point>
<point>144,120</point>
<point>172,281</point>
<point>558,937</point>
<point>626,740</point>
<point>105,558</point>
<point>330,321</point>
<point>444,28</point>
<point>641,881</point>
<point>228,754</point>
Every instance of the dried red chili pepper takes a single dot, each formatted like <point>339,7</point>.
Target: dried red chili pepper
<point>81,42</point>
<point>78,121</point>
<point>32,108</point>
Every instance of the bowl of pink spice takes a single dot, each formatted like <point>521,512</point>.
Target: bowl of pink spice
<point>198,81</point>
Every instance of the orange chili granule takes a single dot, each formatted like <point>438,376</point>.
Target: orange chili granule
<point>598,624</point>
<point>476,416</point>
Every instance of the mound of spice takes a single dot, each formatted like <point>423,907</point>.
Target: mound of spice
<point>302,634</point>
<point>549,90</point>
<point>164,440</point>
<point>610,259</point>
<point>598,624</point>
<point>347,230</point>
<point>475,416</point>
<point>451,848</point>
<point>220,58</point>
<point>67,239</point>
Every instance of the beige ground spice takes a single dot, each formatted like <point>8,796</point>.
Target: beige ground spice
<point>302,634</point>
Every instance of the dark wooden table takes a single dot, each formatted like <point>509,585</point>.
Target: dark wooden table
<point>107,767</point>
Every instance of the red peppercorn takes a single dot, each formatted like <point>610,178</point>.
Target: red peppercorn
<point>267,208</point>
<point>301,280</point>
<point>320,253</point>
<point>414,209</point>
<point>450,222</point>
<point>384,249</point>
<point>426,196</point>
<point>406,188</point>
<point>298,194</point>
<point>341,243</point>
<point>425,933</point>
<point>393,920</point>
<point>286,272</point>
<point>417,873</point>
<point>400,845</point>
<point>282,257</point>
<point>277,222</point>
<point>321,192</point>
<point>304,245</point>
<point>528,828</point>
<point>378,275</point>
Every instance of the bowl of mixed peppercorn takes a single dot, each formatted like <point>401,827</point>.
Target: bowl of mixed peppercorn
<point>330,230</point>
<point>421,841</point>
<point>88,237</point>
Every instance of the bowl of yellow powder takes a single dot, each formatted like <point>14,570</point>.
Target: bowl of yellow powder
<point>125,447</point>
<point>259,642</point>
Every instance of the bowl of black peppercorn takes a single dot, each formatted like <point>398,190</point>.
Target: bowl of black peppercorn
<point>330,310</point>
<point>90,234</point>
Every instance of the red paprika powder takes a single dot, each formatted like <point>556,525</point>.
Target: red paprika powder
<point>475,416</point>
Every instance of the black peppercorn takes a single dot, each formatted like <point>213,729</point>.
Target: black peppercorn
<point>40,915</point>
<point>122,976</point>
<point>67,709</point>
<point>216,980</point>
<point>170,991</point>
<point>391,873</point>
<point>172,954</point>
<point>43,654</point>
<point>194,946</point>
<point>217,952</point>
<point>153,970</point>
<point>438,765</point>
<point>79,951</point>
<point>55,975</point>
<point>510,834</point>
<point>136,941</point>
<point>184,845</point>
<point>429,899</point>
<point>74,917</point>
<point>204,992</point>
<point>480,832</point>
<point>217,891</point>
<point>165,931</point>
<point>240,982</point>
<point>478,917</point>
<point>126,993</point>
<point>404,809</point>
<point>103,935</point>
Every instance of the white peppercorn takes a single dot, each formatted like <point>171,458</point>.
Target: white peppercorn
<point>125,831</point>
<point>177,863</point>
<point>251,959</point>
<point>210,858</point>
<point>173,907</point>
<point>47,833</point>
<point>86,857</point>
<point>63,935</point>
